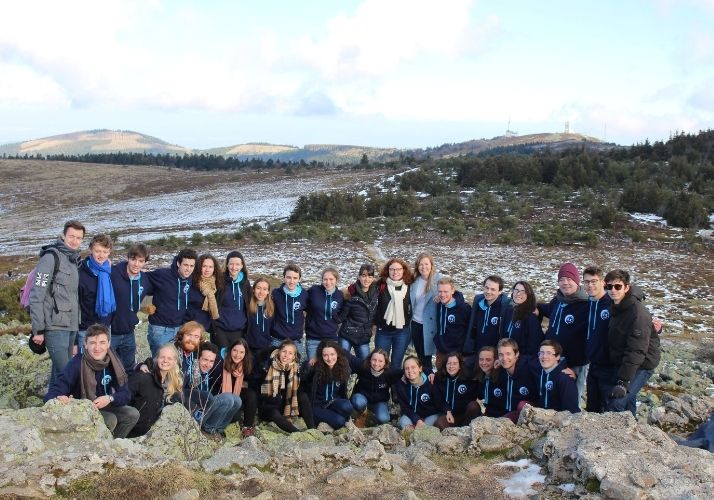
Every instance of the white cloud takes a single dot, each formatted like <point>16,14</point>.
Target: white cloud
<point>20,85</point>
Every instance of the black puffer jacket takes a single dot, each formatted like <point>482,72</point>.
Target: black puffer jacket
<point>357,314</point>
<point>634,343</point>
<point>147,396</point>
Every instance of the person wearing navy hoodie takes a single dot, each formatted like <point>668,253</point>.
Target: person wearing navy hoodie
<point>290,301</point>
<point>358,312</point>
<point>327,385</point>
<point>521,324</point>
<point>556,390</point>
<point>568,325</point>
<point>96,294</point>
<point>131,285</point>
<point>171,286</point>
<point>418,398</point>
<point>599,377</point>
<point>324,303</point>
<point>514,386</point>
<point>261,311</point>
<point>206,286</point>
<point>486,325</point>
<point>232,302</point>
<point>98,375</point>
<point>457,393</point>
<point>452,320</point>
<point>371,390</point>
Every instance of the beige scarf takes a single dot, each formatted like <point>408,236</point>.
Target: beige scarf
<point>207,286</point>
<point>394,315</point>
<point>227,384</point>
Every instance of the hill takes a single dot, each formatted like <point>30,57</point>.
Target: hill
<point>94,141</point>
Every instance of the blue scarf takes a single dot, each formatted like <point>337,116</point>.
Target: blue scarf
<point>105,304</point>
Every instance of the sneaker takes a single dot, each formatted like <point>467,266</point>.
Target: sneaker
<point>247,432</point>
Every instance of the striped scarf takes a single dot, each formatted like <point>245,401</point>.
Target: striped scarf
<point>282,378</point>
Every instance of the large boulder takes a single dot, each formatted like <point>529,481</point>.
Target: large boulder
<point>176,434</point>
<point>23,375</point>
<point>626,459</point>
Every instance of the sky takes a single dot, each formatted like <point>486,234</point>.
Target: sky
<point>386,73</point>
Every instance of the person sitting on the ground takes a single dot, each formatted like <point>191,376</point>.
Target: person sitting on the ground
<point>371,391</point>
<point>327,385</point>
<point>236,367</point>
<point>514,387</point>
<point>150,392</point>
<point>418,398</point>
<point>98,375</point>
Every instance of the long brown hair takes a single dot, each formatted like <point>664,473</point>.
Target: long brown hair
<point>268,306</point>
<point>479,374</point>
<point>217,274</point>
<point>340,372</point>
<point>247,359</point>
<point>407,277</point>
<point>521,311</point>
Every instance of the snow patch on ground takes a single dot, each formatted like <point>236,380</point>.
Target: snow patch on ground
<point>648,218</point>
<point>519,485</point>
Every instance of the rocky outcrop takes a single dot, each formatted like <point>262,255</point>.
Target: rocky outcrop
<point>23,375</point>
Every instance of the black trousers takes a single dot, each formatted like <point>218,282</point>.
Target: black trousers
<point>274,414</point>
<point>224,338</point>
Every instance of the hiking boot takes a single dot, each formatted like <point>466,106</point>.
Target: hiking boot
<point>247,432</point>
<point>361,420</point>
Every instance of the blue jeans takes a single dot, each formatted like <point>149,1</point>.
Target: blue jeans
<point>59,347</point>
<point>629,402</point>
<point>361,351</point>
<point>311,345</point>
<point>581,372</point>
<point>599,385</point>
<point>380,410</point>
<point>275,342</point>
<point>125,347</point>
<point>335,415</point>
<point>220,411</point>
<point>159,336</point>
<point>405,421</point>
<point>394,341</point>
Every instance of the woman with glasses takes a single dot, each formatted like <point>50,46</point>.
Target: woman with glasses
<point>522,325</point>
<point>422,295</point>
<point>556,390</point>
<point>358,312</point>
<point>394,310</point>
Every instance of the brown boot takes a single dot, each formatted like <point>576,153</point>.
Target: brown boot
<point>361,420</point>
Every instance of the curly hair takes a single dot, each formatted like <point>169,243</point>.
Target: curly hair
<point>407,277</point>
<point>340,372</point>
<point>442,374</point>
<point>196,280</point>
<point>189,326</point>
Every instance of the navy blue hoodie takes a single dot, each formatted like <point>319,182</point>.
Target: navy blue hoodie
<point>508,390</point>
<point>289,319</point>
<point>556,390</point>
<point>486,326</point>
<point>452,321</point>
<point>233,304</point>
<point>527,332</point>
<point>323,392</point>
<point>373,387</point>
<point>455,393</point>
<point>568,325</point>
<point>128,294</point>
<point>257,334</point>
<point>170,296</point>
<point>417,403</point>
<point>597,347</point>
<point>323,311</point>
<point>69,383</point>
<point>88,298</point>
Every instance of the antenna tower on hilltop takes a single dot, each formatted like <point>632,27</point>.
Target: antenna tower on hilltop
<point>567,128</point>
<point>509,132</point>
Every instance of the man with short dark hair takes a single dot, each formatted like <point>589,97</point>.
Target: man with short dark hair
<point>54,303</point>
<point>599,374</point>
<point>131,284</point>
<point>486,323</point>
<point>452,319</point>
<point>171,286</point>
<point>98,375</point>
<point>633,339</point>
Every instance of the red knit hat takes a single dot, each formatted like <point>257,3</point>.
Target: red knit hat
<point>569,271</point>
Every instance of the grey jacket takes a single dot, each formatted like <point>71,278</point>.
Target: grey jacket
<point>62,313</point>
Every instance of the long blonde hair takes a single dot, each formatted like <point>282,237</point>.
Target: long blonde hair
<point>174,377</point>
<point>269,306</point>
<point>430,278</point>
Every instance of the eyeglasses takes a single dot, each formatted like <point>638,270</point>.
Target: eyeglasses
<point>518,291</point>
<point>396,269</point>
<point>616,286</point>
<point>545,354</point>
<point>590,282</point>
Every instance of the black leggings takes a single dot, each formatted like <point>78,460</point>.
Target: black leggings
<point>224,338</point>
<point>418,341</point>
<point>249,407</point>
<point>273,414</point>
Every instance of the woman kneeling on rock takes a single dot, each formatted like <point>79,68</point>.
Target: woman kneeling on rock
<point>328,385</point>
<point>418,398</point>
<point>280,399</point>
<point>151,391</point>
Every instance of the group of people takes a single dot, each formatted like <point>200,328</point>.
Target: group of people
<point>231,350</point>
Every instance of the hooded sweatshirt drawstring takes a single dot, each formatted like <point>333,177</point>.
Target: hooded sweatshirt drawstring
<point>557,317</point>
<point>592,316</point>
<point>178,295</point>
<point>140,290</point>
<point>236,284</point>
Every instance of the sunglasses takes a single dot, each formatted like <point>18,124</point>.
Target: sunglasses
<point>616,286</point>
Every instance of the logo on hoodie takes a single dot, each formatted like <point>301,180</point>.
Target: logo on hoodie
<point>604,314</point>
<point>451,318</point>
<point>517,324</point>
<point>186,287</point>
<point>334,304</point>
<point>106,379</point>
<point>461,389</point>
<point>498,393</point>
<point>494,320</point>
<point>297,306</point>
<point>424,398</point>
<point>523,391</point>
<point>549,385</point>
<point>569,319</point>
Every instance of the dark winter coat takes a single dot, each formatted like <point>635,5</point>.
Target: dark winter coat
<point>383,301</point>
<point>358,313</point>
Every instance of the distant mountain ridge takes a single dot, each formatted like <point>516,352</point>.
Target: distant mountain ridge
<point>125,141</point>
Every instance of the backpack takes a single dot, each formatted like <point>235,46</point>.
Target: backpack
<point>34,280</point>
